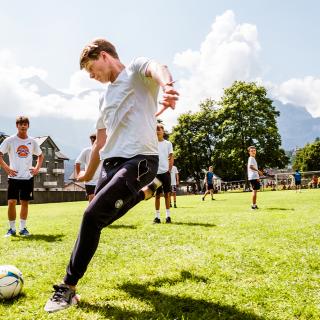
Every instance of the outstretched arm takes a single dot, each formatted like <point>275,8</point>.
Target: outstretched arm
<point>161,74</point>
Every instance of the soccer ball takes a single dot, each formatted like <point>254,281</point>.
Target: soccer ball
<point>11,281</point>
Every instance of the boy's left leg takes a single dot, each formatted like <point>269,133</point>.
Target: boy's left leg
<point>26,194</point>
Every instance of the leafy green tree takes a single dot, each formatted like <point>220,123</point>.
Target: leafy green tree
<point>307,158</point>
<point>194,139</point>
<point>246,117</point>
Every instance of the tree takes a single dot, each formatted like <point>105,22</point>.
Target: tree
<point>307,158</point>
<point>246,117</point>
<point>194,139</point>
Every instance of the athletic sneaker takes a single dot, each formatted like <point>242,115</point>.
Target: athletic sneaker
<point>213,199</point>
<point>254,206</point>
<point>24,232</point>
<point>10,233</point>
<point>62,298</point>
<point>156,220</point>
<point>175,206</point>
<point>168,220</point>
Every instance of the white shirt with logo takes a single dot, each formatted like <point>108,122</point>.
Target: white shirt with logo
<point>127,112</point>
<point>165,148</point>
<point>174,171</point>
<point>84,159</point>
<point>252,174</point>
<point>20,153</point>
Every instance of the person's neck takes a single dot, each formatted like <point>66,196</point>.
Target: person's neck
<point>117,69</point>
<point>160,139</point>
<point>22,135</point>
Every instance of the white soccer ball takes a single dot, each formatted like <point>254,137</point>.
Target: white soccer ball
<point>11,282</point>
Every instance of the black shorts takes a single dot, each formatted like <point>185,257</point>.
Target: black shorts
<point>90,189</point>
<point>255,184</point>
<point>165,178</point>
<point>298,183</point>
<point>20,189</point>
<point>210,186</point>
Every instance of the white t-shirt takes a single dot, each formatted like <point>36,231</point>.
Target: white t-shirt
<point>252,175</point>
<point>20,153</point>
<point>165,148</point>
<point>173,174</point>
<point>127,112</point>
<point>83,159</point>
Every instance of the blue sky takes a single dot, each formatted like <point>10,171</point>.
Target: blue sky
<point>206,44</point>
<point>50,35</point>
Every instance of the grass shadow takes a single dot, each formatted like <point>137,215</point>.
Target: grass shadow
<point>165,306</point>
<point>9,302</point>
<point>122,226</point>
<point>281,209</point>
<point>193,224</point>
<point>40,237</point>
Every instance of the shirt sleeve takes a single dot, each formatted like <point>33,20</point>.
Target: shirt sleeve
<point>170,148</point>
<point>36,148</point>
<point>81,158</point>
<point>100,122</point>
<point>140,65</point>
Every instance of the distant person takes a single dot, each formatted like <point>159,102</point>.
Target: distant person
<point>20,148</point>
<point>314,181</point>
<point>83,160</point>
<point>208,182</point>
<point>253,175</point>
<point>174,173</point>
<point>297,180</point>
<point>165,164</point>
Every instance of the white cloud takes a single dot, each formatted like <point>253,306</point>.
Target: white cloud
<point>16,98</point>
<point>228,53</point>
<point>80,81</point>
<point>301,92</point>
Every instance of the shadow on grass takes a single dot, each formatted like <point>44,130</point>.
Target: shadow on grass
<point>40,237</point>
<point>192,224</point>
<point>167,306</point>
<point>122,226</point>
<point>9,302</point>
<point>281,209</point>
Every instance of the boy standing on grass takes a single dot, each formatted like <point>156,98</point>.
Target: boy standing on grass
<point>163,174</point>
<point>128,147</point>
<point>174,173</point>
<point>208,181</point>
<point>297,180</point>
<point>253,175</point>
<point>20,171</point>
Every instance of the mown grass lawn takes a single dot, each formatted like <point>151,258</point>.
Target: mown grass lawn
<point>217,260</point>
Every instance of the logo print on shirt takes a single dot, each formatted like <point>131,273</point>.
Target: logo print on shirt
<point>23,151</point>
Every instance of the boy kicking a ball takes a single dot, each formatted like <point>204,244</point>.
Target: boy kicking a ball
<point>253,175</point>
<point>128,147</point>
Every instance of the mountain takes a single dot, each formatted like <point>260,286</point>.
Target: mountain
<point>36,84</point>
<point>296,125</point>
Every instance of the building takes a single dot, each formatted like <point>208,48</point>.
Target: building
<point>51,174</point>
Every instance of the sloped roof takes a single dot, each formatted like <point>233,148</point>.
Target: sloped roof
<point>60,155</point>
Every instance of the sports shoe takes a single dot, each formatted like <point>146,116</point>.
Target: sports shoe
<point>156,220</point>
<point>24,232</point>
<point>254,206</point>
<point>153,186</point>
<point>213,199</point>
<point>62,298</point>
<point>10,233</point>
<point>168,220</point>
<point>175,206</point>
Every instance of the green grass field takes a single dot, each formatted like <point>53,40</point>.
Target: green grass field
<point>217,260</point>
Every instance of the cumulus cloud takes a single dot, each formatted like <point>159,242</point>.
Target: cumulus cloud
<point>37,99</point>
<point>301,92</point>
